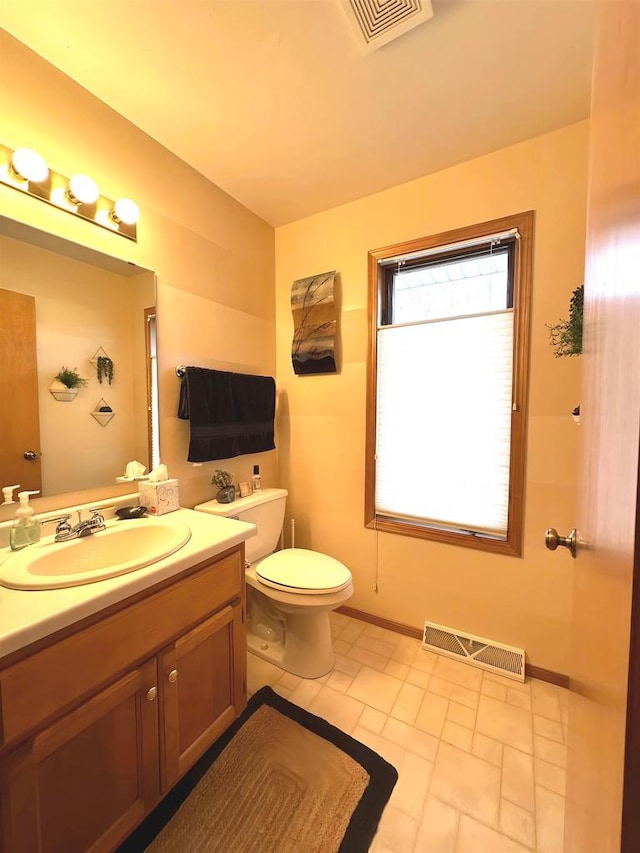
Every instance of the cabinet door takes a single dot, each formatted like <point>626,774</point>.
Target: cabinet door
<point>84,782</point>
<point>203,689</point>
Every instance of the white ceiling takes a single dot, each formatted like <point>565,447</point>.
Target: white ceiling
<point>274,102</point>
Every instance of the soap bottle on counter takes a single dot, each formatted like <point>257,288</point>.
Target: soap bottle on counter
<point>256,482</point>
<point>25,530</point>
<point>7,494</point>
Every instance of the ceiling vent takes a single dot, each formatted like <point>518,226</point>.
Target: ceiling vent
<point>377,22</point>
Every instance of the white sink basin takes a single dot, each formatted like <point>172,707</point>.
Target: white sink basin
<point>123,547</point>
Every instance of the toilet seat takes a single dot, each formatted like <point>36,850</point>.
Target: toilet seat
<point>302,571</point>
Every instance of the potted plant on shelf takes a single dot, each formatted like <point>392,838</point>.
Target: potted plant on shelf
<point>226,491</point>
<point>566,336</point>
<point>66,384</point>
<point>104,368</point>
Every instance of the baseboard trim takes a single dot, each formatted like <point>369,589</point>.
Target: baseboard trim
<point>531,671</point>
<point>549,675</point>
<point>381,622</point>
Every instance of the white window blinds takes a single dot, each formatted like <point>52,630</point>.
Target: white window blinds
<point>444,399</point>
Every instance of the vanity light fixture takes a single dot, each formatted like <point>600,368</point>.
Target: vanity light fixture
<point>82,190</point>
<point>26,165</point>
<point>125,210</point>
<point>25,170</point>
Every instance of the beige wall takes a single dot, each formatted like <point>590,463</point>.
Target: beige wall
<point>214,259</point>
<point>527,601</point>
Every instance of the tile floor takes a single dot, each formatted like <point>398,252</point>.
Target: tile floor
<point>481,759</point>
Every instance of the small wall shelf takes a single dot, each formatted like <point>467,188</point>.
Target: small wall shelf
<point>103,418</point>
<point>63,394</point>
<point>99,353</point>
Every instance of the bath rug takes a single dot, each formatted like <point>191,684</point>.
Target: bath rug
<point>280,780</point>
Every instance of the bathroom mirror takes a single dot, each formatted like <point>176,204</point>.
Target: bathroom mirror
<point>63,305</point>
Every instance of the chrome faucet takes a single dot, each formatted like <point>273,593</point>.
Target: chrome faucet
<point>83,528</point>
<point>61,522</point>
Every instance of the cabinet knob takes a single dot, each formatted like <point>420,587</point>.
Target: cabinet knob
<point>152,693</point>
<point>173,676</point>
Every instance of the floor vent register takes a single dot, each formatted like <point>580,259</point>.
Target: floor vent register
<point>478,651</point>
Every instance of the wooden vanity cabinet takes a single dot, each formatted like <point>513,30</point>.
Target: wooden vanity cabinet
<point>90,771</point>
<point>84,782</point>
<point>200,684</point>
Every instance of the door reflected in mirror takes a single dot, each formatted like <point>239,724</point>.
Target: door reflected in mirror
<point>63,306</point>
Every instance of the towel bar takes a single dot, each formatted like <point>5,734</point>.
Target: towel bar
<point>180,370</point>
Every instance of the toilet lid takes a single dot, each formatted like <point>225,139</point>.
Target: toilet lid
<point>302,571</point>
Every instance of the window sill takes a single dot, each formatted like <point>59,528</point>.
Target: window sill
<point>510,547</point>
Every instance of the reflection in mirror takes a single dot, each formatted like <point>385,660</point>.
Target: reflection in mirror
<point>64,306</point>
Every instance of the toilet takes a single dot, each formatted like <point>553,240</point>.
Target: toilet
<point>290,593</point>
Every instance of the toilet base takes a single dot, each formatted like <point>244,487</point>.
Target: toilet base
<point>307,649</point>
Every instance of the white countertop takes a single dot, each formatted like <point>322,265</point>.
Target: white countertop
<point>30,615</point>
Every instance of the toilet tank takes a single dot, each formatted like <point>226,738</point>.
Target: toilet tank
<point>265,509</point>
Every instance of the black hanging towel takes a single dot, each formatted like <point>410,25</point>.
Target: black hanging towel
<point>230,414</point>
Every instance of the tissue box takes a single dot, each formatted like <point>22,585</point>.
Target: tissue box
<point>159,498</point>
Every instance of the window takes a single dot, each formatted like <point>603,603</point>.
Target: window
<point>446,409</point>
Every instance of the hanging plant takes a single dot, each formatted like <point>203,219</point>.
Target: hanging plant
<point>70,378</point>
<point>104,368</point>
<point>566,336</point>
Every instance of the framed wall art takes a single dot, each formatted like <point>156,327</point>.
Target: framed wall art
<point>314,323</point>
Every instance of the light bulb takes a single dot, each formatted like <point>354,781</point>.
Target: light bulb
<point>126,211</point>
<point>29,165</point>
<point>82,190</point>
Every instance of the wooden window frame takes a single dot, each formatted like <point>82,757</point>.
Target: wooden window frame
<point>522,278</point>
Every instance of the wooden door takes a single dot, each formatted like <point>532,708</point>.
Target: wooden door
<point>19,411</point>
<point>603,728</point>
<point>84,782</point>
<point>203,685</point>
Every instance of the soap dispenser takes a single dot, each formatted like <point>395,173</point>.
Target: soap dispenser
<point>7,494</point>
<point>26,527</point>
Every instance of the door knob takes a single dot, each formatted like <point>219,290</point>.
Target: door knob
<point>30,455</point>
<point>552,539</point>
